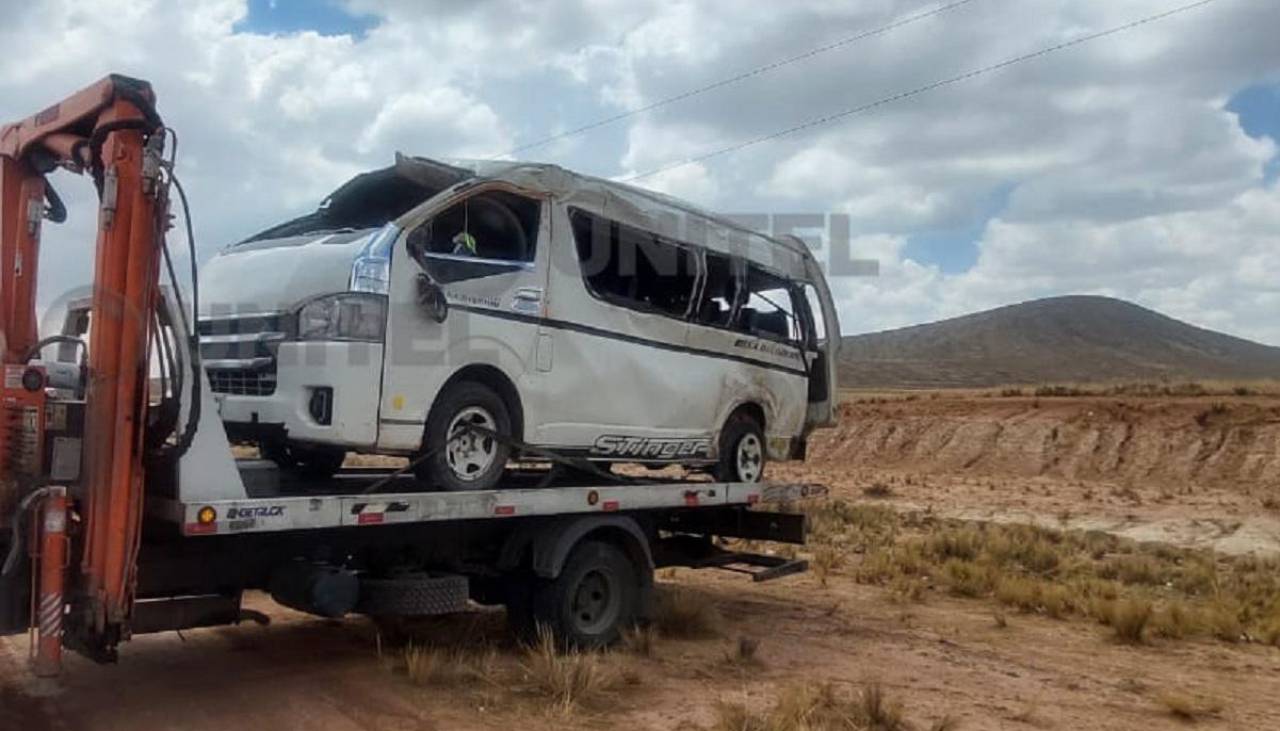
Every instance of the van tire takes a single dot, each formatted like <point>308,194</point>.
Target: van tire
<point>443,469</point>
<point>742,450</point>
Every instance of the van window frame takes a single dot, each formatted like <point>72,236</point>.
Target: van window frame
<point>465,191</point>
<point>699,274</point>
<point>739,266</point>
<point>789,286</point>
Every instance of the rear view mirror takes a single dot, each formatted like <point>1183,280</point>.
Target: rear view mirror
<point>431,298</point>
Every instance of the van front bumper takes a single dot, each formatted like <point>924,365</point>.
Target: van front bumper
<point>324,392</point>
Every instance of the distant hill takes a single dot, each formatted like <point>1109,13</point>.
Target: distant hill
<point>1055,340</point>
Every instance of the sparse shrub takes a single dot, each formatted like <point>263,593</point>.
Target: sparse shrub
<point>1133,570</point>
<point>810,708</point>
<point>431,665</point>
<point>826,560</point>
<point>641,640</point>
<point>1175,621</point>
<point>686,614</point>
<point>1188,707</point>
<point>746,651</point>
<point>956,543</point>
<point>1129,618</point>
<point>878,490</point>
<point>1001,621</point>
<point>1223,622</point>
<point>968,578</point>
<point>567,680</point>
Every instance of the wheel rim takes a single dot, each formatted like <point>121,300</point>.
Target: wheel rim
<point>595,604</point>
<point>468,453</point>
<point>750,458</point>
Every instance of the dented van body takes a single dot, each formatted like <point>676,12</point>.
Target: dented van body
<point>582,316</point>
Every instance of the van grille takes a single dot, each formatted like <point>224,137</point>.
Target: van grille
<point>243,382</point>
<point>239,353</point>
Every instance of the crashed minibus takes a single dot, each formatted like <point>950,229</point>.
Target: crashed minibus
<point>576,316</point>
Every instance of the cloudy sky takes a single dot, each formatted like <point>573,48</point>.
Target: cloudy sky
<point>1143,165</point>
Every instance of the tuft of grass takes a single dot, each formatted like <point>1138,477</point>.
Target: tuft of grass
<point>816,708</point>
<point>1187,707</point>
<point>878,490</point>
<point>686,614</point>
<point>745,652</point>
<point>1129,618</point>
<point>827,559</point>
<point>439,666</point>
<point>1001,621</point>
<point>968,578</point>
<point>567,680</point>
<point>1175,621</point>
<point>641,640</point>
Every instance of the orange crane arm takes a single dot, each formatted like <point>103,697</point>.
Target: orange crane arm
<point>112,131</point>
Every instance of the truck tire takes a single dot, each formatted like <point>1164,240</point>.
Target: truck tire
<point>595,597</point>
<point>470,461</point>
<point>413,595</point>
<point>742,451</point>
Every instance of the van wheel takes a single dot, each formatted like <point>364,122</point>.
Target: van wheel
<point>462,459</point>
<point>742,452</point>
<point>311,462</point>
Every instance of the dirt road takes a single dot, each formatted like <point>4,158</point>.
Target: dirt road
<point>942,657</point>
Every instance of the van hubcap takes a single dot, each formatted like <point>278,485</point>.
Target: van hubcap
<point>750,458</point>
<point>470,453</point>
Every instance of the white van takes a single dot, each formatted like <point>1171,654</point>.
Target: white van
<point>585,317</point>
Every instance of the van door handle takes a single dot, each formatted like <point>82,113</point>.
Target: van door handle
<point>527,300</point>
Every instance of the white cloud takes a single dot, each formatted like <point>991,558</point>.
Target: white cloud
<point>1114,165</point>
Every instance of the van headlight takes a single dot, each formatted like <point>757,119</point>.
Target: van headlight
<point>346,316</point>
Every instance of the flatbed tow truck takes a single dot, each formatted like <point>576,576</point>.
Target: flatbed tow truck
<point>123,510</point>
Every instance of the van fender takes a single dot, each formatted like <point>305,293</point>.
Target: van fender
<point>548,543</point>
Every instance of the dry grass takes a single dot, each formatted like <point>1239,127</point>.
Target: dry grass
<point>878,490</point>
<point>1138,389</point>
<point>641,640</point>
<point>684,613</point>
<point>1141,590</point>
<point>1150,389</point>
<point>745,652</point>
<point>1129,619</point>
<point>441,666</point>
<point>820,708</point>
<point>566,680</point>
<point>827,559</point>
<point>1189,708</point>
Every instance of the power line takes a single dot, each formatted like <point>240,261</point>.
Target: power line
<point>918,90</point>
<point>740,77</point>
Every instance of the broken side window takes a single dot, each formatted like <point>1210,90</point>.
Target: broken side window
<point>634,268</point>
<point>768,310</point>
<point>721,291</point>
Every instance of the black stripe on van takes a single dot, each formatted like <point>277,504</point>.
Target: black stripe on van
<point>611,335</point>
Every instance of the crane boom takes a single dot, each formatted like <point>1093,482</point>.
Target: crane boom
<point>111,131</point>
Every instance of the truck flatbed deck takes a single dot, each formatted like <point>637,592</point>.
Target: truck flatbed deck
<point>344,500</point>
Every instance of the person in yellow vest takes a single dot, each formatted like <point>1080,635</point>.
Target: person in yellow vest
<point>464,244</point>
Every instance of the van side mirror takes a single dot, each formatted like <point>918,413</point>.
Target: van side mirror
<point>431,298</point>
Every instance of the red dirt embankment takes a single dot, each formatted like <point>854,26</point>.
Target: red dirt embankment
<point>1170,442</point>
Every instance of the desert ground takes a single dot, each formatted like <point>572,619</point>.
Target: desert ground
<point>1012,559</point>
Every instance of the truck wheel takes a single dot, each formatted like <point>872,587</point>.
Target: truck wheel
<point>742,452</point>
<point>595,597</point>
<point>464,460</point>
